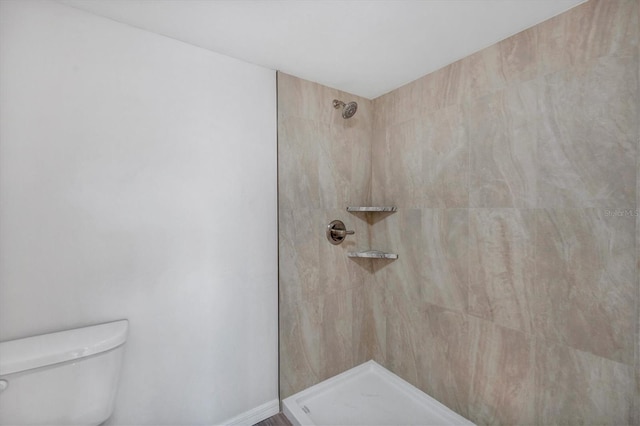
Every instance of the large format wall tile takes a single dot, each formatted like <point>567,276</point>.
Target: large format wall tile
<point>298,241</point>
<point>402,348</point>
<point>337,272</point>
<point>441,88</point>
<point>593,29</point>
<point>379,193</point>
<point>636,409</point>
<point>435,337</point>
<point>588,135</point>
<point>369,323</point>
<point>312,101</point>
<point>299,331</point>
<point>502,375</point>
<point>298,163</point>
<point>513,60</point>
<point>398,176</point>
<point>586,281</point>
<point>445,158</point>
<point>344,165</point>
<point>434,91</point>
<point>398,106</point>
<point>361,141</point>
<point>424,161</point>
<point>502,266</point>
<point>445,257</point>
<point>443,356</point>
<point>317,339</point>
<point>301,98</point>
<point>433,259</point>
<point>334,167</point>
<point>515,170</point>
<point>336,334</point>
<point>324,165</point>
<point>551,121</point>
<point>578,388</point>
<point>502,138</point>
<point>401,280</point>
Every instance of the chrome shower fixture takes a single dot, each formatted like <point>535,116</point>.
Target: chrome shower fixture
<point>348,110</point>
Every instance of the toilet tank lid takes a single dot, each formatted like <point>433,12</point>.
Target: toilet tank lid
<point>47,349</point>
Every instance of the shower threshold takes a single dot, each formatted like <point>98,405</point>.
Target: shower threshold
<point>368,395</point>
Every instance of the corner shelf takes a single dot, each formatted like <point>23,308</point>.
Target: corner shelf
<point>372,209</point>
<point>372,254</point>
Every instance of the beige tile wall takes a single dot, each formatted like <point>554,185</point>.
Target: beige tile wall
<point>530,143</point>
<point>324,165</point>
<point>516,172</point>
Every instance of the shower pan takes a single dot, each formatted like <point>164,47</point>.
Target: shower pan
<point>368,395</point>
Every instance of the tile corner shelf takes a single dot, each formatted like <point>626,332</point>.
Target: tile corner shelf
<point>372,208</point>
<point>372,254</point>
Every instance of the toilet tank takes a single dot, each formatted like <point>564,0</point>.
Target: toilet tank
<point>64,378</point>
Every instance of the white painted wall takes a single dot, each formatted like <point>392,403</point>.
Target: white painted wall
<point>138,180</point>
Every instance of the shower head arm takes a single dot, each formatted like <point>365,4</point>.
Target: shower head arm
<point>348,110</point>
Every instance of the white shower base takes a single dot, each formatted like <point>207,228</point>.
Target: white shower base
<point>367,395</point>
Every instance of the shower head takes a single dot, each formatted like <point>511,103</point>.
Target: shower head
<point>348,110</point>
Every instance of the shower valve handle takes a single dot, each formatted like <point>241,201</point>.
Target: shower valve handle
<point>337,232</point>
<point>341,233</point>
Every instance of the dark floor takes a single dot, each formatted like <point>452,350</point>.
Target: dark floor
<point>277,420</point>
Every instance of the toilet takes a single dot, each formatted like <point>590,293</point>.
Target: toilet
<point>64,378</point>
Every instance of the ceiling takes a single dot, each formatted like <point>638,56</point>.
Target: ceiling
<point>365,47</point>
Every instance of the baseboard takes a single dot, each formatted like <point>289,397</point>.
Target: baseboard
<point>255,415</point>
